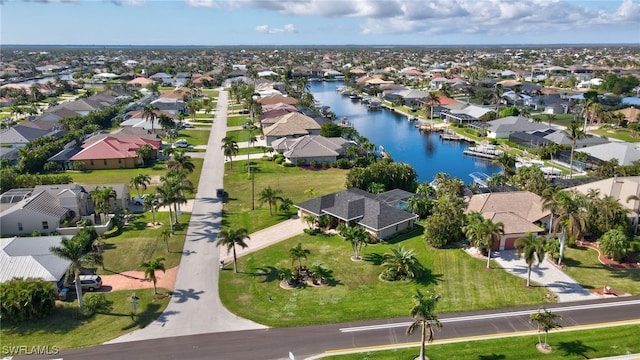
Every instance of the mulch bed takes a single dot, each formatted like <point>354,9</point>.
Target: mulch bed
<point>626,263</point>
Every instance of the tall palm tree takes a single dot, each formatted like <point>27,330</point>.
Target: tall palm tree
<point>150,203</point>
<point>166,123</point>
<point>180,161</point>
<point>74,251</point>
<point>101,197</point>
<point>432,99</point>
<point>531,247</point>
<point>550,118</point>
<point>150,267</point>
<point>270,196</point>
<point>230,149</point>
<point>483,232</point>
<point>149,114</point>
<point>571,212</point>
<point>573,133</point>
<point>140,181</point>
<point>507,162</point>
<point>424,316</point>
<point>298,253</point>
<point>230,238</point>
<point>165,235</point>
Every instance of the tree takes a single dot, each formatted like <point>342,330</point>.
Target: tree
<point>298,253</point>
<point>433,99</point>
<point>531,247</point>
<point>145,152</point>
<point>150,203</point>
<point>149,114</point>
<point>140,181</point>
<point>150,267</point>
<point>310,192</point>
<point>424,316</point>
<point>546,321</point>
<point>507,162</point>
<point>231,237</point>
<point>446,221</point>
<point>614,244</point>
<point>400,264</point>
<point>270,196</point>
<point>74,250</point>
<point>165,235</point>
<point>101,197</point>
<point>230,149</point>
<point>356,235</point>
<point>180,161</point>
<point>27,299</point>
<point>573,133</point>
<point>166,123</point>
<point>483,232</point>
<point>569,207</point>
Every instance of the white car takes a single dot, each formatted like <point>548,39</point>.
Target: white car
<point>182,143</point>
<point>139,200</point>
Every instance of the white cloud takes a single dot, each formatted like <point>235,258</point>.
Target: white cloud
<point>265,29</point>
<point>201,3</point>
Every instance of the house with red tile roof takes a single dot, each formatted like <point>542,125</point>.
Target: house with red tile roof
<point>114,153</point>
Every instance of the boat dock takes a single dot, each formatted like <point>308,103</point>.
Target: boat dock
<point>480,178</point>
<point>450,136</point>
<point>479,154</point>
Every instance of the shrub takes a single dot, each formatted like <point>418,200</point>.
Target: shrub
<point>279,160</point>
<point>314,164</point>
<point>288,164</point>
<point>343,164</point>
<point>325,165</point>
<point>115,231</point>
<point>27,299</point>
<point>614,244</point>
<point>97,303</point>
<point>301,162</point>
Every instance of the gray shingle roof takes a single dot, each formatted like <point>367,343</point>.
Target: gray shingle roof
<point>514,124</point>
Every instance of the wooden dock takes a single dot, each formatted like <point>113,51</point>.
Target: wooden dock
<point>480,154</point>
<point>451,136</point>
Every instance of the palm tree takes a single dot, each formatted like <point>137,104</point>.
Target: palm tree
<point>532,248</point>
<point>74,251</point>
<point>545,320</point>
<point>166,123</point>
<point>150,202</point>
<point>356,235</point>
<point>144,152</point>
<point>230,238</point>
<point>270,196</point>
<point>140,181</point>
<point>180,162</point>
<point>297,253</point>
<point>101,197</point>
<point>423,314</point>
<point>569,207</point>
<point>401,264</point>
<point>149,114</point>
<point>573,133</point>
<point>432,99</point>
<point>483,232</point>
<point>165,235</point>
<point>150,267</point>
<point>310,192</point>
<point>230,149</point>
<point>507,162</point>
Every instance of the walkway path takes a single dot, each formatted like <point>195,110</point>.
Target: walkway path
<point>545,274</point>
<point>195,307</point>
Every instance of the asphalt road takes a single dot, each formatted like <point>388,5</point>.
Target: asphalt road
<point>303,342</point>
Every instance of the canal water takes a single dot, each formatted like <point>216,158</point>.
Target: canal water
<point>424,151</point>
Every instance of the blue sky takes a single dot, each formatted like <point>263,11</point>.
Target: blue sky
<point>318,22</point>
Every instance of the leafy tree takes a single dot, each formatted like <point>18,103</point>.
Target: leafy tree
<point>614,244</point>
<point>531,247</point>
<point>509,111</point>
<point>140,181</point>
<point>400,264</point>
<point>391,175</point>
<point>330,129</point>
<point>531,178</point>
<point>446,221</point>
<point>270,196</point>
<point>298,253</point>
<point>420,206</point>
<point>424,316</point>
<point>74,250</point>
<point>150,267</point>
<point>546,321</point>
<point>231,237</point>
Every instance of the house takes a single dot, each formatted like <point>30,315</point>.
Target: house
<point>290,125</point>
<point>19,135</point>
<point>41,212</point>
<point>141,82</point>
<point>123,195</point>
<point>502,128</point>
<point>308,148</point>
<point>114,153</point>
<point>411,98</point>
<point>521,212</point>
<point>620,188</point>
<point>163,78</point>
<point>169,105</point>
<point>358,207</point>
<point>72,197</point>
<point>9,155</point>
<point>631,114</point>
<point>137,119</point>
<point>30,257</point>
<point>277,98</point>
<point>624,153</point>
<point>467,114</point>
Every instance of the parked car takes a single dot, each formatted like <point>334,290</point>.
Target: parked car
<point>139,200</point>
<point>188,126</point>
<point>89,282</point>
<point>182,143</point>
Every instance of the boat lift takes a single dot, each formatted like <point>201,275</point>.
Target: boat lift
<point>480,178</point>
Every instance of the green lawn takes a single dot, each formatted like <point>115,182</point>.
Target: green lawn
<point>237,120</point>
<point>239,135</point>
<point>584,267</point>
<point>204,116</point>
<point>195,136</point>
<point>569,345</point>
<point>138,243</point>
<point>357,294</point>
<point>620,134</point>
<point>253,150</point>
<point>233,106</point>
<point>211,93</point>
<point>124,176</point>
<point>292,181</point>
<point>65,329</point>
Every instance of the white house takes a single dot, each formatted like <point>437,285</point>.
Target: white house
<point>29,257</point>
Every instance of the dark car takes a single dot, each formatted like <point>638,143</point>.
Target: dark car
<point>220,193</point>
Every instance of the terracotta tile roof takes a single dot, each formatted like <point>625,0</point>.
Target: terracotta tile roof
<point>113,148</point>
<point>517,210</point>
<point>276,98</point>
<point>141,81</point>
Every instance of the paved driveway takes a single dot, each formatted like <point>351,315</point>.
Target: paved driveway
<point>545,274</point>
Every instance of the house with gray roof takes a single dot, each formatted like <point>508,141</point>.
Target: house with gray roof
<point>625,153</point>
<point>19,136</point>
<point>360,208</point>
<point>502,128</point>
<point>39,212</point>
<point>29,257</point>
<point>411,98</point>
<point>309,148</point>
